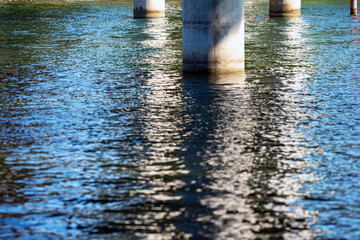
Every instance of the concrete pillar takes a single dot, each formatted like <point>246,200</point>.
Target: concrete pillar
<point>213,36</point>
<point>284,8</point>
<point>149,8</point>
<point>353,7</point>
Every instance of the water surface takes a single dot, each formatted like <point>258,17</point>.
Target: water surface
<point>103,137</point>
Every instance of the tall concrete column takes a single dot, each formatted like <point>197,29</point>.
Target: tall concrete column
<point>213,36</point>
<point>149,8</point>
<point>285,8</point>
<point>353,7</point>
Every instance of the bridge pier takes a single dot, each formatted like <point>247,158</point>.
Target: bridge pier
<point>213,36</point>
<point>285,8</point>
<point>353,7</point>
<point>149,8</point>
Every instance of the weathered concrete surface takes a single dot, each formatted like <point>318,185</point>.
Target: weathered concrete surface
<point>149,8</point>
<point>213,36</point>
<point>284,8</point>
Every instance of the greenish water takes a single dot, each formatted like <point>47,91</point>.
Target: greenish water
<point>103,137</point>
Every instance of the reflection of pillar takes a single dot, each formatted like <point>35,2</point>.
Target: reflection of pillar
<point>285,8</point>
<point>353,7</point>
<point>149,8</point>
<point>213,36</point>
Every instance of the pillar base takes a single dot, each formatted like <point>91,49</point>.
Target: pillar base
<point>284,8</point>
<point>296,13</point>
<point>146,14</point>
<point>149,8</point>
<point>213,68</point>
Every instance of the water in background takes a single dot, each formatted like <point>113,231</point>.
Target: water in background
<point>103,137</point>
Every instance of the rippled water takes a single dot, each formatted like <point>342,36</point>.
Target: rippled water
<point>103,137</point>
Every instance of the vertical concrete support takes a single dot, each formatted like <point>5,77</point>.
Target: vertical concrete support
<point>353,7</point>
<point>213,36</point>
<point>284,8</point>
<point>149,8</point>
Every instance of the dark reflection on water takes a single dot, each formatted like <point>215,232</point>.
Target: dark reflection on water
<point>102,137</point>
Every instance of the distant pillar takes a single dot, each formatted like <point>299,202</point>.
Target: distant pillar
<point>213,36</point>
<point>353,7</point>
<point>285,8</point>
<point>149,8</point>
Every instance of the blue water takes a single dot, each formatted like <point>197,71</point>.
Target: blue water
<point>103,137</point>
